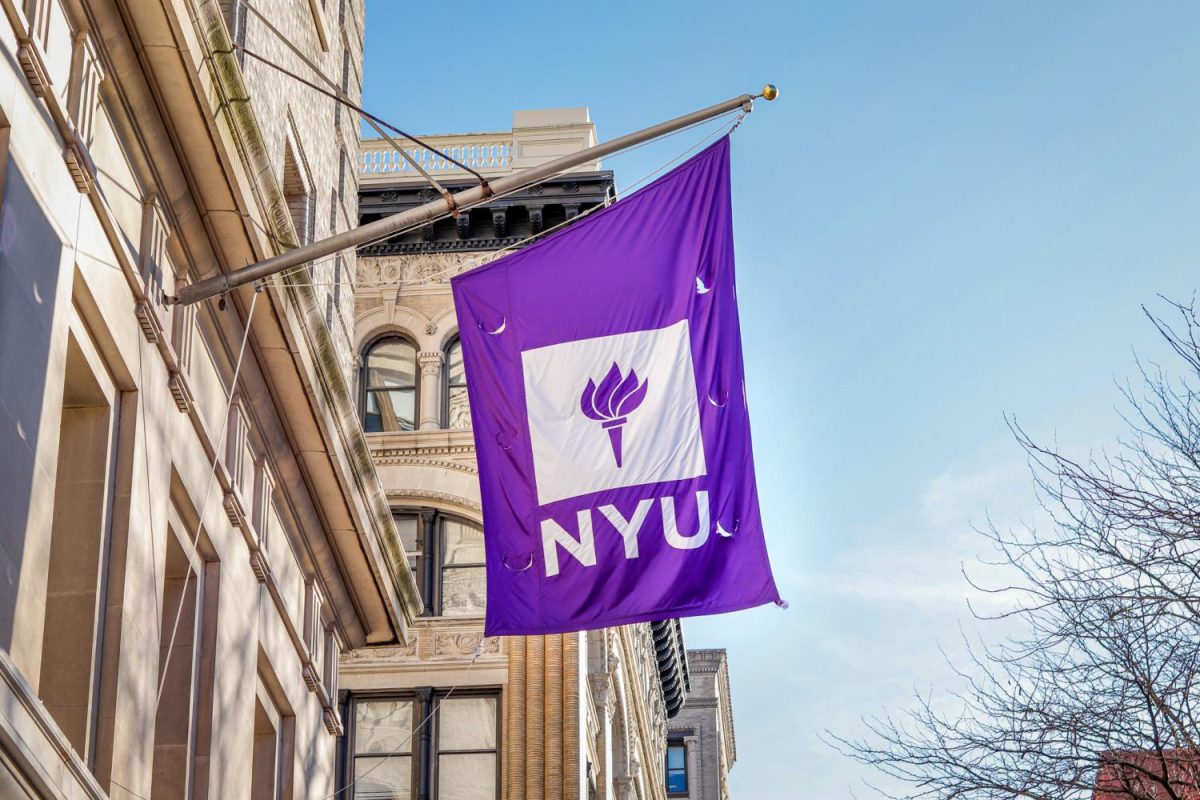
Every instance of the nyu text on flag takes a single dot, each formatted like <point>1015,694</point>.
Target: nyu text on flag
<point>604,370</point>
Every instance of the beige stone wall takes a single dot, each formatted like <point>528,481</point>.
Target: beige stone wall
<point>291,115</point>
<point>705,726</point>
<point>123,177</point>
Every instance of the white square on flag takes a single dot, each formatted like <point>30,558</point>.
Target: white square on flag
<point>658,441</point>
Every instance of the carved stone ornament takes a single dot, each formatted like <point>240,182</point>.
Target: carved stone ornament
<point>430,328</point>
<point>430,361</point>
<point>463,643</point>
<point>389,653</point>
<point>426,269</point>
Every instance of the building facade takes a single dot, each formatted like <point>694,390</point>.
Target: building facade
<point>523,718</point>
<point>191,528</point>
<point>701,747</point>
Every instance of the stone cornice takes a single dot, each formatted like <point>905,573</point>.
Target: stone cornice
<point>234,162</point>
<point>403,496</point>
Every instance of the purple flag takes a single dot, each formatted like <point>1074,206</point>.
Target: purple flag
<point>604,369</point>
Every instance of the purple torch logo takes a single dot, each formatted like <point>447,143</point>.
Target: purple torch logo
<point>611,402</point>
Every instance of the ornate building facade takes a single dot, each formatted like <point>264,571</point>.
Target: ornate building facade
<point>701,747</point>
<point>191,528</point>
<point>522,718</point>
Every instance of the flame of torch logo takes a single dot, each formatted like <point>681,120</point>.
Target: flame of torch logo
<point>611,402</point>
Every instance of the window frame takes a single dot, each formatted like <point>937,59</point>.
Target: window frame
<point>426,702</point>
<point>687,778</point>
<point>446,386</point>
<point>430,567</point>
<point>364,373</point>
<point>442,566</point>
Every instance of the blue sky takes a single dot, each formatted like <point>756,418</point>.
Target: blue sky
<point>953,211</point>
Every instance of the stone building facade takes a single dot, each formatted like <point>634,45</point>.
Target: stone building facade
<point>579,715</point>
<point>185,556</point>
<point>701,747</point>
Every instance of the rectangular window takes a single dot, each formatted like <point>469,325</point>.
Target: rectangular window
<point>426,744</point>
<point>677,776</point>
<point>383,752</point>
<point>464,579</point>
<point>79,539</point>
<point>273,748</point>
<point>465,731</point>
<point>449,567</point>
<point>178,661</point>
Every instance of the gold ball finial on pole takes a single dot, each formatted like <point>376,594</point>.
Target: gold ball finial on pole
<point>770,92</point>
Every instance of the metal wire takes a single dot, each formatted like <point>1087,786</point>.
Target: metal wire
<point>404,746</point>
<point>220,445</point>
<point>722,129</point>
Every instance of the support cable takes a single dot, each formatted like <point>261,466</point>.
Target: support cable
<point>722,130</point>
<point>339,96</point>
<point>212,475</point>
<point>403,747</point>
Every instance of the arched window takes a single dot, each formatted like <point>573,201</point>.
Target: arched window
<point>457,412</point>
<point>390,386</point>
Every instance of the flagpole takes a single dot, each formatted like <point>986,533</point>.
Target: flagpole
<point>219,284</point>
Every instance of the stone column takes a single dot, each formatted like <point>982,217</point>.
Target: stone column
<point>691,745</point>
<point>431,389</point>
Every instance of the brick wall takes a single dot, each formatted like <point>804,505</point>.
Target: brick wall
<point>324,140</point>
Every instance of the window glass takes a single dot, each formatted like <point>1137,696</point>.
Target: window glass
<point>409,526</point>
<point>677,781</point>
<point>463,753</point>
<point>467,723</point>
<point>383,726</point>
<point>458,411</point>
<point>464,579</point>
<point>390,386</point>
<point>392,363</point>
<point>383,778</point>
<point>463,542</point>
<point>467,776</point>
<point>464,591</point>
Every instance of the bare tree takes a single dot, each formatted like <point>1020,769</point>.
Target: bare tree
<point>1104,676</point>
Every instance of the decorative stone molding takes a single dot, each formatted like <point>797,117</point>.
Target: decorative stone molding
<point>431,328</point>
<point>237,444</point>
<point>183,329</point>
<point>79,164</point>
<point>365,655</point>
<point>333,721</point>
<point>234,509</point>
<point>423,494</point>
<point>463,644</point>
<point>383,459</point>
<point>83,93</point>
<point>602,692</point>
<point>430,269</point>
<point>431,362</point>
<point>311,678</point>
<point>148,321</point>
<point>259,565</point>
<point>34,66</point>
<point>180,391</point>
<point>154,264</point>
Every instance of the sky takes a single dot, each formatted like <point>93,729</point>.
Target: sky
<point>953,212</point>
